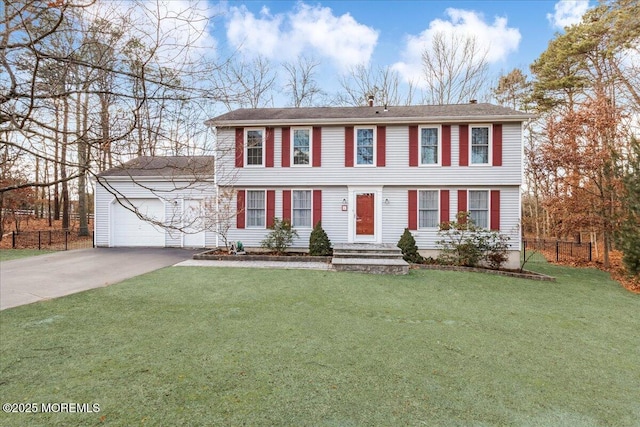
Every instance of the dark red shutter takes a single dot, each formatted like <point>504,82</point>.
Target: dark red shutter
<point>286,204</point>
<point>317,206</point>
<point>446,145</point>
<point>495,210</point>
<point>464,145</point>
<point>413,146</point>
<point>381,146</point>
<point>286,147</point>
<point>269,148</point>
<point>497,145</point>
<point>462,202</point>
<point>444,206</point>
<point>239,147</point>
<point>240,215</point>
<point>348,146</point>
<point>271,207</point>
<point>317,147</point>
<point>413,210</point>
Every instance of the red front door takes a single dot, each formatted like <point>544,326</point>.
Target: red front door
<point>365,211</point>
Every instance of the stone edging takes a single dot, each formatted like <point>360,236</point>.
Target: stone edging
<point>240,258</point>
<point>524,275</point>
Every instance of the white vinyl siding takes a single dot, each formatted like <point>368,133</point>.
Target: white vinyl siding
<point>256,209</point>
<point>301,208</point>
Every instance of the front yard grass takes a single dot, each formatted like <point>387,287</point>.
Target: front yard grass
<point>9,254</point>
<point>205,346</point>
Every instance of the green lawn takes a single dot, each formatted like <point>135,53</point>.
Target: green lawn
<point>204,346</point>
<point>9,254</point>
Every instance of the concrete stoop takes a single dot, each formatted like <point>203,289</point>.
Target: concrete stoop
<point>369,258</point>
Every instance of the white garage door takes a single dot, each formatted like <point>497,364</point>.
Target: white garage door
<point>193,215</point>
<point>127,229</point>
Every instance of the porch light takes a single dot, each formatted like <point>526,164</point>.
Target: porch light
<point>386,201</point>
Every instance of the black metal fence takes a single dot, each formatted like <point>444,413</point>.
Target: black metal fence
<point>558,250</point>
<point>60,240</point>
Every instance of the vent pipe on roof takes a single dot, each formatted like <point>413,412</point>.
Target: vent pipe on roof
<point>370,99</point>
<point>473,101</point>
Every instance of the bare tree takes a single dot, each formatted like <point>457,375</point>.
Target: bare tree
<point>245,83</point>
<point>454,68</point>
<point>382,83</point>
<point>301,85</point>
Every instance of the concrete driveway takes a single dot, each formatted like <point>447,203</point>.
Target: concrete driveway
<point>27,280</point>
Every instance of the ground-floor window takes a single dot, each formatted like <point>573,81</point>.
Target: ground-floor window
<point>256,209</point>
<point>301,208</point>
<point>428,209</point>
<point>479,208</point>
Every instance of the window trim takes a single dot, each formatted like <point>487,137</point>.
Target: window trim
<point>310,190</point>
<point>438,146</point>
<point>488,193</point>
<point>246,209</point>
<point>374,163</point>
<point>489,127</point>
<point>293,146</point>
<point>246,147</point>
<point>437,209</point>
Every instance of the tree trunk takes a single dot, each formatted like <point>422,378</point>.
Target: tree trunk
<point>63,168</point>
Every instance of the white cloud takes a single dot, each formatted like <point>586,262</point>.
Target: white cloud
<point>497,38</point>
<point>339,38</point>
<point>568,12</point>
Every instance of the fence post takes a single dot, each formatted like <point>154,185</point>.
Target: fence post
<point>66,236</point>
<point>39,239</point>
<point>589,251</point>
<point>557,251</point>
<point>13,239</point>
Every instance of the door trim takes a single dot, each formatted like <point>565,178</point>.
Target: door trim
<point>377,218</point>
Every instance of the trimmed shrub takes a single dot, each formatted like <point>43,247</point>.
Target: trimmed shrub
<point>281,236</point>
<point>319,243</point>
<point>407,244</point>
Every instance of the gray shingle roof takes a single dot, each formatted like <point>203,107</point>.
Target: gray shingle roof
<point>164,166</point>
<point>375,114</point>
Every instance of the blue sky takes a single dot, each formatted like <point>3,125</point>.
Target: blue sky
<point>341,34</point>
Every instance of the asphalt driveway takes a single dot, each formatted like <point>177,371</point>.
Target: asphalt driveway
<point>27,280</point>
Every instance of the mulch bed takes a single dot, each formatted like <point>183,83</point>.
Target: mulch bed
<point>221,255</point>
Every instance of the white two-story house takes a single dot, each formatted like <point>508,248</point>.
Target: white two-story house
<point>370,172</point>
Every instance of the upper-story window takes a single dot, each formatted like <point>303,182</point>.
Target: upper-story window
<point>479,207</point>
<point>301,147</point>
<point>255,147</point>
<point>428,208</point>
<point>479,145</point>
<point>429,142</point>
<point>365,146</point>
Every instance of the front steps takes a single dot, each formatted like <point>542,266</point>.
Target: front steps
<point>369,258</point>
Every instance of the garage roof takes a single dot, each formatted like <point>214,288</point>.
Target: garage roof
<point>164,166</point>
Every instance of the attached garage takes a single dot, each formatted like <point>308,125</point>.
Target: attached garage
<point>132,222</point>
<point>155,202</point>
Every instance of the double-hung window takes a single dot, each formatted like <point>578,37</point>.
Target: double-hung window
<point>428,208</point>
<point>301,208</point>
<point>256,208</point>
<point>479,208</point>
<point>480,145</point>
<point>365,146</point>
<point>429,142</point>
<point>301,147</point>
<point>255,147</point>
